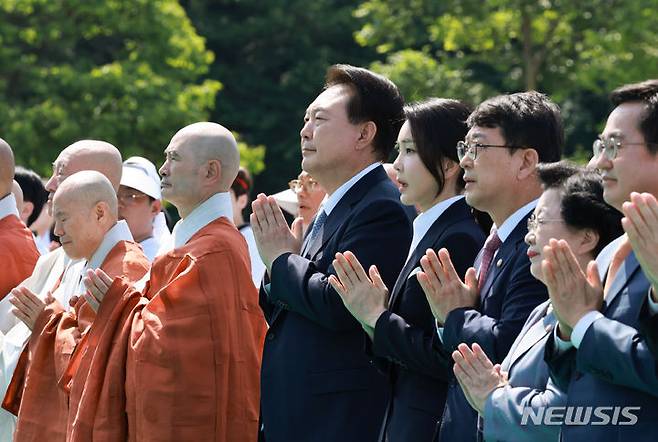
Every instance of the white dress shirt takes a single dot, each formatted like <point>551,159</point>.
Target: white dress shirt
<point>8,206</point>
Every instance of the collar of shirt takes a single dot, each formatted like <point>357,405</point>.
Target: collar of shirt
<point>8,206</point>
<point>214,207</point>
<point>332,200</point>
<point>514,219</point>
<point>150,246</point>
<point>160,229</point>
<point>120,232</point>
<point>424,221</point>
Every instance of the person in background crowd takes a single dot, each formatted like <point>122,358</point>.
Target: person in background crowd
<point>309,195</point>
<point>572,208</point>
<point>240,199</point>
<point>401,327</point>
<point>139,203</point>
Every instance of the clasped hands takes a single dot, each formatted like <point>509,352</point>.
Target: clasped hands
<point>364,294</point>
<point>443,287</point>
<point>272,234</point>
<point>27,305</point>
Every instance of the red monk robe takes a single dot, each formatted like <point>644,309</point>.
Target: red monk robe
<point>18,253</point>
<point>33,394</point>
<point>182,361</point>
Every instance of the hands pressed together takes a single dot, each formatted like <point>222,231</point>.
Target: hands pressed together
<point>364,294</point>
<point>477,375</point>
<point>27,305</point>
<point>443,287</point>
<point>272,234</point>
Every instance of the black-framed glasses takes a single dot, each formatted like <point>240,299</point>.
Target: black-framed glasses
<point>470,150</point>
<point>610,146</point>
<point>534,222</point>
<point>297,185</point>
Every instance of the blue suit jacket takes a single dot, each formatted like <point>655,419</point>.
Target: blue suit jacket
<point>317,384</point>
<point>405,339</point>
<point>507,297</point>
<point>614,365</point>
<point>529,385</point>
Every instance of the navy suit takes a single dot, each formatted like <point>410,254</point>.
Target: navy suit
<point>317,384</point>
<point>405,335</point>
<point>507,297</point>
<point>614,366</point>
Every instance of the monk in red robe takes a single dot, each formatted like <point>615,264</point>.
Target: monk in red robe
<point>193,336</point>
<point>18,253</point>
<point>85,214</point>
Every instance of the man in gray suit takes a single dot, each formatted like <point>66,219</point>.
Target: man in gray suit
<point>598,355</point>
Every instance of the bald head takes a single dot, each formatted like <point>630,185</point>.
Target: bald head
<point>212,141</point>
<point>96,155</point>
<point>6,168</point>
<point>85,209</point>
<point>18,195</point>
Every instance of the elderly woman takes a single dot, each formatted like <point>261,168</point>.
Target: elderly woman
<point>512,397</point>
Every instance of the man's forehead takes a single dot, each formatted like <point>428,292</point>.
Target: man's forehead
<point>483,132</point>
<point>330,97</point>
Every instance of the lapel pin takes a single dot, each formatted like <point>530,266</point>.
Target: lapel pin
<point>499,263</point>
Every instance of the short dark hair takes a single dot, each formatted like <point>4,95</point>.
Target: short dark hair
<point>242,183</point>
<point>437,125</point>
<point>526,120</point>
<point>33,189</point>
<point>374,98</point>
<point>647,93</point>
<point>582,203</point>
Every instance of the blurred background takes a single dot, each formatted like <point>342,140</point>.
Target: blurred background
<point>132,72</point>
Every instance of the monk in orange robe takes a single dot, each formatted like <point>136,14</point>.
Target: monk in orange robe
<point>18,253</point>
<point>192,338</point>
<point>85,213</point>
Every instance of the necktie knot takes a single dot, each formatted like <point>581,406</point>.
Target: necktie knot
<point>493,242</point>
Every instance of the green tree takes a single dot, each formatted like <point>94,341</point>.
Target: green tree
<point>574,51</point>
<point>272,57</point>
<point>129,72</point>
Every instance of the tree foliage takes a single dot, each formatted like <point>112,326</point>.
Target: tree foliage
<point>123,71</point>
<point>574,51</point>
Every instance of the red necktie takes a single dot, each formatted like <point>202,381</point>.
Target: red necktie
<point>490,246</point>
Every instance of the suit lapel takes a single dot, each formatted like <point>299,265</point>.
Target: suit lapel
<point>341,212</point>
<point>542,326</point>
<point>453,214</point>
<point>623,276</point>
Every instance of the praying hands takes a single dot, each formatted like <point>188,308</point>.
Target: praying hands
<point>27,305</point>
<point>443,287</point>
<point>364,295</point>
<point>641,226</point>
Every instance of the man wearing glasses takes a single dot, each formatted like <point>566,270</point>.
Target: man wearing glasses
<point>508,136</point>
<point>597,354</point>
<point>309,197</point>
<point>139,202</point>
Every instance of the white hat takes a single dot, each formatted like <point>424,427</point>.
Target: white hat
<point>140,174</point>
<point>287,200</point>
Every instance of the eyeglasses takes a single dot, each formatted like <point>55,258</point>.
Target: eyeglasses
<point>610,146</point>
<point>534,222</point>
<point>308,185</point>
<point>471,149</point>
<point>128,199</point>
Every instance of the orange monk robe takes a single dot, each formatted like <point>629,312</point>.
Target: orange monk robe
<point>191,345</point>
<point>18,253</point>
<point>34,394</point>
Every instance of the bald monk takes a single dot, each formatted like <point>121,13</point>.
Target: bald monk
<point>54,272</point>
<point>17,247</point>
<point>195,337</point>
<point>86,220</point>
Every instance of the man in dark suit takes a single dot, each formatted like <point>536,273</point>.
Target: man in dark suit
<point>508,136</point>
<point>598,355</point>
<point>317,383</point>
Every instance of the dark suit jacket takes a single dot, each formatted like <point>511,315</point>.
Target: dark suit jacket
<point>405,335</point>
<point>508,296</point>
<point>614,366</point>
<point>317,384</point>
